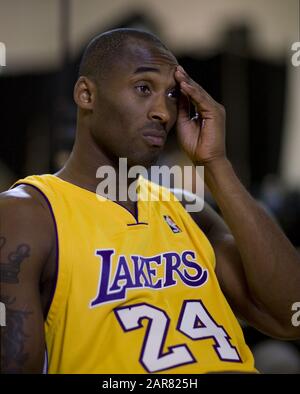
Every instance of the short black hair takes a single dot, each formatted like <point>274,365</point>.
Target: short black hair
<point>105,49</point>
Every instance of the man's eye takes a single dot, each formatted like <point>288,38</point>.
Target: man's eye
<point>173,94</point>
<point>144,89</point>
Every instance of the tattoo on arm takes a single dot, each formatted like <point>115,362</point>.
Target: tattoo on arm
<point>13,338</point>
<point>9,271</point>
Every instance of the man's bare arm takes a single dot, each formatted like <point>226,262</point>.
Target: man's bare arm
<point>259,254</point>
<point>24,247</point>
<point>258,248</point>
<point>248,303</point>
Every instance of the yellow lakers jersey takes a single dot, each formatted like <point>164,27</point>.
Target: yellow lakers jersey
<point>135,294</point>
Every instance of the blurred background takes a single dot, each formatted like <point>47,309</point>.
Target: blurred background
<point>238,50</point>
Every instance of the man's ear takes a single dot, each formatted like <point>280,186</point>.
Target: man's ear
<point>84,93</point>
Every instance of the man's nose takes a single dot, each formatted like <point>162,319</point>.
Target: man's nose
<point>159,111</point>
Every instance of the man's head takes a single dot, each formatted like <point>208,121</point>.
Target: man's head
<point>127,94</point>
<point>109,48</point>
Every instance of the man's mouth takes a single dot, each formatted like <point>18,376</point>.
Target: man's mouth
<point>155,137</point>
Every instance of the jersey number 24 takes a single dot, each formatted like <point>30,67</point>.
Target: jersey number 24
<point>194,321</point>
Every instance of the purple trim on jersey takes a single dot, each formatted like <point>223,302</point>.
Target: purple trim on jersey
<point>140,325</point>
<point>136,224</point>
<point>56,243</point>
<point>135,214</point>
<point>136,211</point>
<point>216,345</point>
<point>122,206</point>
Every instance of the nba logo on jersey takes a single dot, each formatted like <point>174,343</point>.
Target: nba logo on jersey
<point>173,226</point>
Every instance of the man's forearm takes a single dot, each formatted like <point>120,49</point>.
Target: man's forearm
<point>271,263</point>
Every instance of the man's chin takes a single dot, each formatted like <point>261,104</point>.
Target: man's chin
<point>146,161</point>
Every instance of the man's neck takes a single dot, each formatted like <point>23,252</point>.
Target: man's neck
<point>81,170</point>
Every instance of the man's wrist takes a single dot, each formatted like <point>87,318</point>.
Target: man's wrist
<point>214,165</point>
<point>216,171</point>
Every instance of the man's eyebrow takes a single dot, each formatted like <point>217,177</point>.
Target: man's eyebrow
<point>144,69</point>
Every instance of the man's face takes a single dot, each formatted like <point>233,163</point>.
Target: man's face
<point>136,105</point>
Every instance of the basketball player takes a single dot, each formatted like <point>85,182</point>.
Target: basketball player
<point>122,287</point>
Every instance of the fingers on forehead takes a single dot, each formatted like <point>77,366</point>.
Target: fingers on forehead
<point>198,93</point>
